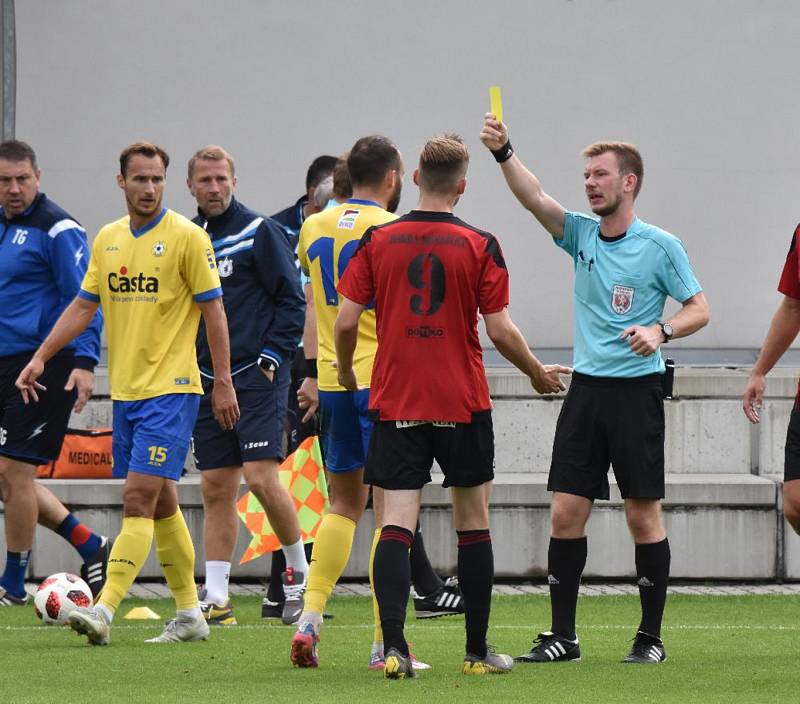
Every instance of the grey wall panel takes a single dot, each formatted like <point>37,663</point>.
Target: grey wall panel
<point>705,88</point>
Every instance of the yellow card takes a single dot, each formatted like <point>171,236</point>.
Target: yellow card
<point>496,102</point>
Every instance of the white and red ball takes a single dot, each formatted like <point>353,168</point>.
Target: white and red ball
<point>59,595</point>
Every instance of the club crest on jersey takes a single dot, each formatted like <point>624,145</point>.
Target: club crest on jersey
<point>622,298</point>
<point>159,248</point>
<point>347,219</point>
<point>225,267</point>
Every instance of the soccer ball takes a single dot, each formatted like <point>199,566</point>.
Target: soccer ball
<point>59,595</point>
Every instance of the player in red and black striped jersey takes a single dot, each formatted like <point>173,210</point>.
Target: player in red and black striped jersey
<point>429,275</point>
<point>783,330</point>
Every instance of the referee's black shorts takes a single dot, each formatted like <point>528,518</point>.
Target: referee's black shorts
<point>610,421</point>
<point>401,453</point>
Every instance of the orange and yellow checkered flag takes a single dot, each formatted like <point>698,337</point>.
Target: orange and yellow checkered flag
<point>303,475</point>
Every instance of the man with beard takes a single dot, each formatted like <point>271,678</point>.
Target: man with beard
<point>154,274</point>
<point>613,413</point>
<point>327,241</point>
<point>265,309</point>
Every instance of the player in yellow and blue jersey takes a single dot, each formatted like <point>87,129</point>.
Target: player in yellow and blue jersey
<point>153,272</point>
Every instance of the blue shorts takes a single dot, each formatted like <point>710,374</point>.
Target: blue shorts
<point>345,429</point>
<point>258,435</point>
<point>152,436</point>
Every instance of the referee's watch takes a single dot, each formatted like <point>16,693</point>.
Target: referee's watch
<point>666,331</point>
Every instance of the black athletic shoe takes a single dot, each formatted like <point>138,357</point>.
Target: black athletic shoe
<point>271,609</point>
<point>548,647</point>
<point>93,571</point>
<point>646,650</point>
<point>398,666</point>
<point>8,599</point>
<point>445,602</point>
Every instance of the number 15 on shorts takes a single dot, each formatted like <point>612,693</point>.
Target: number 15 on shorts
<point>158,455</point>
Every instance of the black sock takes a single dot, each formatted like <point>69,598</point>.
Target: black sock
<point>475,577</point>
<point>652,569</point>
<point>426,582</point>
<point>566,559</point>
<point>275,588</point>
<point>392,579</point>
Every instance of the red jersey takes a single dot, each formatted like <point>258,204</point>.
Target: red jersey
<point>428,274</point>
<point>790,277</point>
<point>790,281</point>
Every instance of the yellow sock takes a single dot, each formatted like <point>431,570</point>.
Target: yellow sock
<point>376,613</point>
<point>176,554</point>
<point>130,550</point>
<point>331,552</point>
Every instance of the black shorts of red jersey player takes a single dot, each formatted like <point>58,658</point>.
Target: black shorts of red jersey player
<point>401,453</point>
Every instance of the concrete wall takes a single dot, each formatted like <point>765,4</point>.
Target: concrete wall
<point>705,88</point>
<point>722,506</point>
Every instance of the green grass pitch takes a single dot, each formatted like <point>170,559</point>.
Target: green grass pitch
<point>719,649</point>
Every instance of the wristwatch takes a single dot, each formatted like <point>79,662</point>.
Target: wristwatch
<point>267,365</point>
<point>666,331</point>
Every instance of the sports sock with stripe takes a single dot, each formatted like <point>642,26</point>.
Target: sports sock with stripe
<point>128,554</point>
<point>328,559</point>
<point>79,536</point>
<point>13,579</point>
<point>652,569</point>
<point>475,577</point>
<point>392,581</point>
<point>175,552</point>
<point>566,558</point>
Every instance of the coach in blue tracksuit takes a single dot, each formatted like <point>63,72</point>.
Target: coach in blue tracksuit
<point>266,310</point>
<point>43,257</point>
<point>614,412</point>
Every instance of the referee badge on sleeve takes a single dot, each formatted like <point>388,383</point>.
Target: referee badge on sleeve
<point>622,298</point>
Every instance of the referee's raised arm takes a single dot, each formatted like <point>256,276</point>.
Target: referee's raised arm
<point>524,185</point>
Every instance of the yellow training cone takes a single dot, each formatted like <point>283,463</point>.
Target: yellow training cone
<point>142,613</point>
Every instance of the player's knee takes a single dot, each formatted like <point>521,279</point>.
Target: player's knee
<point>348,506</point>
<point>139,502</point>
<point>565,524</point>
<point>644,523</point>
<point>214,495</point>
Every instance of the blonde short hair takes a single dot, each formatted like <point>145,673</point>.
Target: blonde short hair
<point>443,163</point>
<point>212,152</point>
<point>629,160</point>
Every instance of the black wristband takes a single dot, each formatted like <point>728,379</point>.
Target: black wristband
<point>504,153</point>
<point>311,368</point>
<point>85,363</point>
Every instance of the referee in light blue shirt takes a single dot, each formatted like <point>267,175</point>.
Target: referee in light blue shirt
<point>613,414</point>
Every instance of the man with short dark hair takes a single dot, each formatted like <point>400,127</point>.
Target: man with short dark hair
<point>154,273</point>
<point>327,241</point>
<point>614,412</point>
<point>293,217</point>
<point>428,275</point>
<point>265,309</point>
<point>43,256</point>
